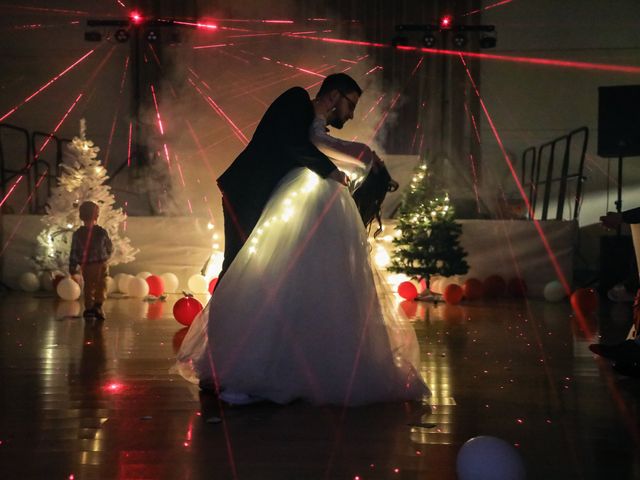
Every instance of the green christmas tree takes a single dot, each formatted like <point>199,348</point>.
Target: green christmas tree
<point>429,241</point>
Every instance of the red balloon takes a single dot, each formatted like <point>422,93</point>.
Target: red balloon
<point>409,308</point>
<point>156,309</point>
<point>517,287</point>
<point>584,301</point>
<point>186,309</point>
<point>473,289</point>
<point>178,338</point>
<point>453,294</point>
<point>494,286</point>
<point>212,285</point>
<point>407,290</point>
<point>453,313</point>
<point>156,285</point>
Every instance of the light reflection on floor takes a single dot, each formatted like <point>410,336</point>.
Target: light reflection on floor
<point>91,401</point>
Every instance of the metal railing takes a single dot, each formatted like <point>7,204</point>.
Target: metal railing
<point>20,157</point>
<point>550,169</point>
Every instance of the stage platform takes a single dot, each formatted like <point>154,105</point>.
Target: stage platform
<point>96,401</point>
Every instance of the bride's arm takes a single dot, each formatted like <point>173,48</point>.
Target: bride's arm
<point>351,153</point>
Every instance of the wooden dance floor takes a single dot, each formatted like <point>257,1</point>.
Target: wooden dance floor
<point>84,401</point>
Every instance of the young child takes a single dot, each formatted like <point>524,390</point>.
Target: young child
<point>90,249</point>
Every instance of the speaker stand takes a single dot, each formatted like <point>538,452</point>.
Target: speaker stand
<point>619,200</point>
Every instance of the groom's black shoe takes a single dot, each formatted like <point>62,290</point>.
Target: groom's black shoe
<point>207,385</point>
<point>236,398</point>
<point>625,352</point>
<point>628,369</point>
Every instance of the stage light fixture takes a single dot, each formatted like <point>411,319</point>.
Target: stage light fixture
<point>136,18</point>
<point>459,40</point>
<point>429,40</point>
<point>92,36</point>
<point>152,36</point>
<point>121,35</point>
<point>488,42</point>
<point>399,41</point>
<point>446,22</point>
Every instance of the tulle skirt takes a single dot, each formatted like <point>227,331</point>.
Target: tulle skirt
<point>300,314</point>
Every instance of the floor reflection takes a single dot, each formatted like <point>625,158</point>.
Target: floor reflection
<point>96,400</point>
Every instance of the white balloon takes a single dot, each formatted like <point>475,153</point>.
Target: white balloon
<point>143,275</point>
<point>138,287</point>
<point>171,282</point>
<point>554,291</point>
<point>489,458</point>
<point>436,284</point>
<point>68,308</point>
<point>29,282</point>
<point>123,279</point>
<point>68,289</point>
<point>116,280</point>
<point>111,285</point>
<point>198,284</point>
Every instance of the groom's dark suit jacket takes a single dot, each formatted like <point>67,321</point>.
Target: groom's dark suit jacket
<point>279,144</point>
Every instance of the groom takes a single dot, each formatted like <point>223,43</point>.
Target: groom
<point>281,143</point>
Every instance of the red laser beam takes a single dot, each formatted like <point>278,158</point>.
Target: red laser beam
<point>205,26</point>
<point>35,26</point>
<point>488,7</point>
<point>20,216</point>
<point>244,20</point>
<point>45,86</point>
<point>215,45</point>
<point>129,145</point>
<point>155,102</point>
<point>155,55</point>
<point>115,116</point>
<point>59,11</point>
<point>395,100</point>
<point>582,321</point>
<point>57,127</point>
<point>221,113</point>
<point>200,149</point>
<point>44,145</point>
<point>373,107</point>
<point>488,56</point>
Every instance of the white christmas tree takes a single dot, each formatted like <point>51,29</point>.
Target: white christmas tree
<point>82,179</point>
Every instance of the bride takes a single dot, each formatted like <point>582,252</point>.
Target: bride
<point>300,313</point>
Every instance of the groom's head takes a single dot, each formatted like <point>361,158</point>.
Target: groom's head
<point>340,94</point>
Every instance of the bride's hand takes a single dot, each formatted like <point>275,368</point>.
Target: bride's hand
<point>340,177</point>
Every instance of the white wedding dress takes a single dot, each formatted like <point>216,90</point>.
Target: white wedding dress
<point>300,314</point>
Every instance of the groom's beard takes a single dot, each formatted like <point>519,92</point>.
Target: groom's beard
<point>336,122</point>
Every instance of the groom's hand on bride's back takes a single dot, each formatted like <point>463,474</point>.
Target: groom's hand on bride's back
<point>339,176</point>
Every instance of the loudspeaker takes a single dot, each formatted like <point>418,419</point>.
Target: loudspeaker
<point>619,121</point>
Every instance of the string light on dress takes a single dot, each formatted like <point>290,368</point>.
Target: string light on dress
<point>311,182</point>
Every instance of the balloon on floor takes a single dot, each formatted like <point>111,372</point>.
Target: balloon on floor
<point>29,282</point>
<point>171,282</point>
<point>156,285</point>
<point>138,287</point>
<point>67,289</point>
<point>186,309</point>
<point>198,284</point>
<point>489,458</point>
